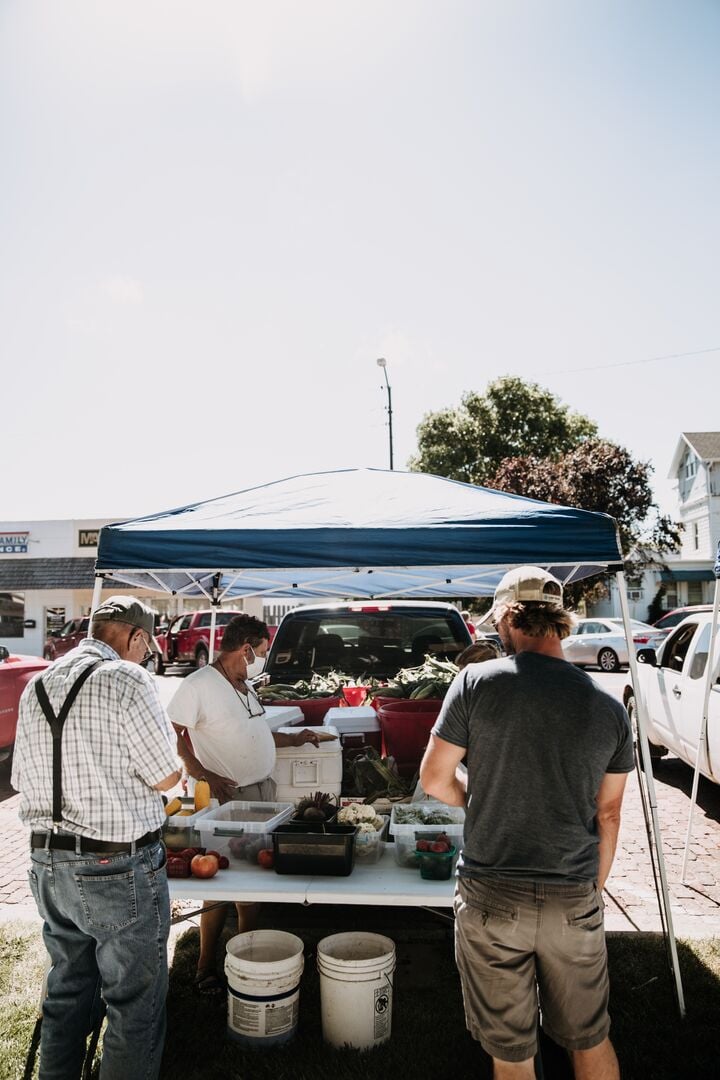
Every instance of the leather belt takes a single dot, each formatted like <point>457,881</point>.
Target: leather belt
<point>65,842</point>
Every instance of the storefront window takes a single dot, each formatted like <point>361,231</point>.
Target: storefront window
<point>12,615</point>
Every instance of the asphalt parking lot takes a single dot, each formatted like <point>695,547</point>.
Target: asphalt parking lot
<point>631,901</point>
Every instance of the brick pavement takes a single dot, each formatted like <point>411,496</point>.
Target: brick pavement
<point>630,895</point>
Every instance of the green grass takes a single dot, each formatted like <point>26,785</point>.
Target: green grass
<point>429,1037</point>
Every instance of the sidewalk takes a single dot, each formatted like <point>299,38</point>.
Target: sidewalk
<point>631,900</point>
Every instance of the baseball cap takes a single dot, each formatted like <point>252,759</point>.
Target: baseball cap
<point>527,583</point>
<point>125,609</point>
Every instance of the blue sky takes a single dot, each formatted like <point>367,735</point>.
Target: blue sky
<point>215,217</point>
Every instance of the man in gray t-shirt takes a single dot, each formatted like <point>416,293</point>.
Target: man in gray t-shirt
<point>547,754</point>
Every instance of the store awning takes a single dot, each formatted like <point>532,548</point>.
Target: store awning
<point>687,575</point>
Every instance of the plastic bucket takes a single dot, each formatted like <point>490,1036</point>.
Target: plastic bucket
<point>356,987</point>
<point>263,969</point>
<point>406,727</point>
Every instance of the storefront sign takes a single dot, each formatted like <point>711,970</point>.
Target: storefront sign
<point>88,537</point>
<point>14,543</point>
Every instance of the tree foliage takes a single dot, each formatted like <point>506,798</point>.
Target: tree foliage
<point>513,418</point>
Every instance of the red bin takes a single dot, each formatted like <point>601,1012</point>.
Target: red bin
<point>314,709</point>
<point>406,727</point>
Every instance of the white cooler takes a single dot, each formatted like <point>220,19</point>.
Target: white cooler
<point>301,770</point>
<point>278,716</point>
<point>359,722</point>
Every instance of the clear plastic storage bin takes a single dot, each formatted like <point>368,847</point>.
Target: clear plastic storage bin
<point>180,830</point>
<point>370,846</point>
<point>241,829</point>
<point>407,833</point>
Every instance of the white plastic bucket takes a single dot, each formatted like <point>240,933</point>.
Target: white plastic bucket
<point>356,986</point>
<point>263,969</point>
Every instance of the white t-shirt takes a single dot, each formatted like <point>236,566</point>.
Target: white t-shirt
<point>226,738</point>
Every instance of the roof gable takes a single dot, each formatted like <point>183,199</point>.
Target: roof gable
<point>704,444</point>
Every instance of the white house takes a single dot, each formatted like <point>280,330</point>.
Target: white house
<point>689,577</point>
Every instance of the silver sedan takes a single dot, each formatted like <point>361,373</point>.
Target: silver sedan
<point>601,642</point>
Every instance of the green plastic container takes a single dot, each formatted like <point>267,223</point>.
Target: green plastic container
<point>435,865</point>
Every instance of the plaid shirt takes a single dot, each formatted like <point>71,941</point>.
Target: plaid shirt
<point>117,743</point>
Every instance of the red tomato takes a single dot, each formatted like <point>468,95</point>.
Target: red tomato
<point>190,852</point>
<point>422,845</point>
<point>266,858</point>
<point>215,853</point>
<point>223,862</point>
<point>204,866</point>
<point>439,847</point>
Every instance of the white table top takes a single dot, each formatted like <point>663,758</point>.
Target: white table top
<point>384,883</point>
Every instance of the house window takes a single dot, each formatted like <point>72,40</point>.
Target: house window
<point>12,615</point>
<point>696,535</point>
<point>690,466</point>
<point>695,595</point>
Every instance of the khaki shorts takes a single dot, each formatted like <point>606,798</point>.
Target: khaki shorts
<point>262,791</point>
<point>517,942</point>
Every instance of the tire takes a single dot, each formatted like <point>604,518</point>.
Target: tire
<point>656,752</point>
<point>608,660</point>
<point>154,665</point>
<point>201,656</point>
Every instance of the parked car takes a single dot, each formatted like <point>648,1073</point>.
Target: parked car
<point>671,619</point>
<point>601,642</point>
<point>364,638</point>
<point>672,683</point>
<point>62,641</point>
<point>15,672</point>
<point>187,638</point>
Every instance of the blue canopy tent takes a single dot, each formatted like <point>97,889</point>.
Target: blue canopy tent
<point>359,533</point>
<point>372,534</point>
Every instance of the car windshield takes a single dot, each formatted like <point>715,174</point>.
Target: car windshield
<point>376,643</point>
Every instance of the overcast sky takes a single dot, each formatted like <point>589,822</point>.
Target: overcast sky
<point>215,216</point>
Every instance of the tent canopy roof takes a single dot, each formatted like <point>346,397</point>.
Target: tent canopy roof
<point>356,533</point>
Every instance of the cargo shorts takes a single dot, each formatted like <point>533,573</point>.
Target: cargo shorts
<point>521,943</point>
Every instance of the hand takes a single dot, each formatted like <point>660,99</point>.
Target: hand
<point>305,736</point>
<point>222,788</point>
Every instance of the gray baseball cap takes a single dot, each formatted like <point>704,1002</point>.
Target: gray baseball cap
<point>126,609</point>
<point>527,584</point>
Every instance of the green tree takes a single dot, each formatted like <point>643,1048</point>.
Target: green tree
<point>513,418</point>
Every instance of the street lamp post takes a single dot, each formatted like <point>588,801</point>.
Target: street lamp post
<point>383,364</point>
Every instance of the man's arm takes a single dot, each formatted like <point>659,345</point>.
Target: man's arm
<point>439,774</point>
<point>608,802</point>
<point>295,738</point>
<point>169,782</point>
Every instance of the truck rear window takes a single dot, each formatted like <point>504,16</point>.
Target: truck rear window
<point>362,643</point>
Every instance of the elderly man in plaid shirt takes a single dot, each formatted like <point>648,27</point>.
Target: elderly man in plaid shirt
<point>94,749</point>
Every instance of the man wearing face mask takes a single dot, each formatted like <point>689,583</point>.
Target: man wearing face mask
<point>223,738</point>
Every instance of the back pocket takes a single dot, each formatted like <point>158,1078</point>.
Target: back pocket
<point>109,900</point>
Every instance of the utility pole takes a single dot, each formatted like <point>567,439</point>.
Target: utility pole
<point>383,364</point>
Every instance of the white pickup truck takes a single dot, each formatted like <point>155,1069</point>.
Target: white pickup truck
<point>673,685</point>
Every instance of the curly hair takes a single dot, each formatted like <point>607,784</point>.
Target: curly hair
<point>243,630</point>
<point>476,653</point>
<point>537,619</point>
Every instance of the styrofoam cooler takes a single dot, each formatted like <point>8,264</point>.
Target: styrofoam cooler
<point>279,716</point>
<point>359,720</point>
<point>300,770</point>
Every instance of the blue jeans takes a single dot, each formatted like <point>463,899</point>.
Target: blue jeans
<point>106,925</point>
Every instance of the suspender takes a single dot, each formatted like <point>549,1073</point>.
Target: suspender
<point>56,727</point>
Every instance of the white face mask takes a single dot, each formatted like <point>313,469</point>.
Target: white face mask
<point>256,666</point>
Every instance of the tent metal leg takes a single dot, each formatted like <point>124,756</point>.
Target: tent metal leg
<point>647,778</point>
<point>95,603</point>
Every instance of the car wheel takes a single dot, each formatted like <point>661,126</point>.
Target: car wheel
<point>201,657</point>
<point>608,661</point>
<point>154,665</point>
<point>656,752</point>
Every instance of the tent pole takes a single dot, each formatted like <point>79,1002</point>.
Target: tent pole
<point>702,737</point>
<point>95,602</point>
<point>215,602</point>
<point>654,836</point>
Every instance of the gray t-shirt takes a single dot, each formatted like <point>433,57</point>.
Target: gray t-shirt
<point>540,735</point>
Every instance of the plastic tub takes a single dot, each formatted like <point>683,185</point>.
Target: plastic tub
<point>309,848</point>
<point>436,865</point>
<point>370,846</point>
<point>314,710</point>
<point>407,835</point>
<point>406,727</point>
<point>180,830</point>
<point>240,830</point>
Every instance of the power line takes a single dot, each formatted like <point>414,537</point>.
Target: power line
<point>630,363</point>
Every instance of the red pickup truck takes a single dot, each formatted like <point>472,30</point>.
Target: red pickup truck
<point>72,633</point>
<point>187,638</point>
<point>15,672</point>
